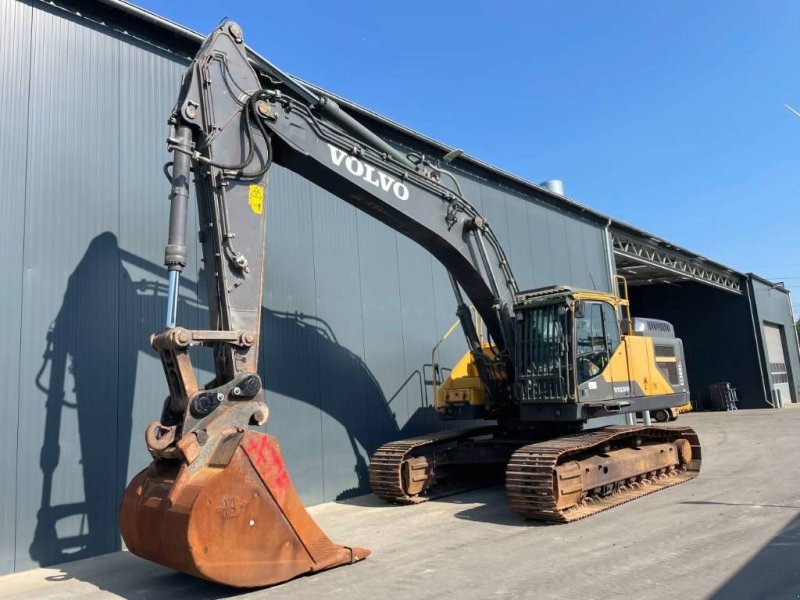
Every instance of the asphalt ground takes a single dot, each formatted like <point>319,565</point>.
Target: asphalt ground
<point>734,532</point>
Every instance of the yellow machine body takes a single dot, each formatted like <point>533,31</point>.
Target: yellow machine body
<point>638,367</point>
<point>635,361</point>
<point>463,386</point>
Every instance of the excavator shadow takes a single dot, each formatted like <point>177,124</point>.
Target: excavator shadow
<point>133,578</point>
<point>79,367</point>
<point>772,572</point>
<point>369,419</point>
<point>367,500</point>
<point>87,380</point>
<point>488,505</point>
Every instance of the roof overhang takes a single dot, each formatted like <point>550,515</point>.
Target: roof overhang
<point>646,261</point>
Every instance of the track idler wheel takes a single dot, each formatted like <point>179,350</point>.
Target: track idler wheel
<point>241,524</point>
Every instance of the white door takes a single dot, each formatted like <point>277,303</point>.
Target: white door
<point>778,373</point>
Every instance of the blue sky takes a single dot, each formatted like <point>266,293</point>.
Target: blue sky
<point>666,115</point>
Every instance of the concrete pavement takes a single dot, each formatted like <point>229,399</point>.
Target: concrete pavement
<point>734,532</point>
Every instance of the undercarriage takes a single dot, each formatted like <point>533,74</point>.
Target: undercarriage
<point>551,478</point>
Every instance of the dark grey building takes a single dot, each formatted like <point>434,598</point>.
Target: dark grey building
<point>352,310</point>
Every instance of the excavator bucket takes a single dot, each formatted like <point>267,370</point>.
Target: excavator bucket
<point>241,524</point>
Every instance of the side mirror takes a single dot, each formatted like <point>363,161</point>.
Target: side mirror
<point>579,310</point>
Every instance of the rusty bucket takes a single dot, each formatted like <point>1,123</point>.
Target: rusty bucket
<point>241,524</point>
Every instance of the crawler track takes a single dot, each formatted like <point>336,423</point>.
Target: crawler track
<point>391,471</point>
<point>416,470</point>
<point>530,472</point>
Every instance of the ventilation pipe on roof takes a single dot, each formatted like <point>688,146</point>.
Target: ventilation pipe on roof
<point>554,185</point>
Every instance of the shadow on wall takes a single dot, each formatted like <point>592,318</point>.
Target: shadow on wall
<point>70,355</point>
<point>358,403</point>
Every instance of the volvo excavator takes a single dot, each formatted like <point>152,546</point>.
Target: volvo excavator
<point>217,501</point>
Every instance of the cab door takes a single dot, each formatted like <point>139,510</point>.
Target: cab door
<point>601,357</point>
<point>618,371</point>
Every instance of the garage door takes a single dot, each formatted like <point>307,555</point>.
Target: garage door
<point>778,373</point>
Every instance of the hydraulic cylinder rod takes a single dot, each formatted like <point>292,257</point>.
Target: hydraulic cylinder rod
<point>175,252</point>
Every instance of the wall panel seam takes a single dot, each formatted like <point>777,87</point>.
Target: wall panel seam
<point>22,272</point>
<point>319,350</point>
<point>402,320</point>
<point>118,264</point>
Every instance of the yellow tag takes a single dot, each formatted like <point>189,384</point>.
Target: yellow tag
<point>256,199</point>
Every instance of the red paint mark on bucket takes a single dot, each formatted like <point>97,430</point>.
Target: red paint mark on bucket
<point>265,456</point>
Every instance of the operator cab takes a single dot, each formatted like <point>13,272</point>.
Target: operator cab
<point>597,336</point>
<point>565,338</point>
<point>579,357</point>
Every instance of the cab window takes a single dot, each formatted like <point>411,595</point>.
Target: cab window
<point>596,338</point>
<point>611,328</point>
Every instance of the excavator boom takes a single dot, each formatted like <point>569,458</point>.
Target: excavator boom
<point>217,501</point>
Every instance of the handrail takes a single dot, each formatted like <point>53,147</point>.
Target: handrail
<point>434,363</point>
<point>627,303</point>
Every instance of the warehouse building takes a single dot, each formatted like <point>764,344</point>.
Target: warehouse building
<point>351,309</point>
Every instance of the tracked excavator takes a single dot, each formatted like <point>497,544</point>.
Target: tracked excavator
<point>217,501</point>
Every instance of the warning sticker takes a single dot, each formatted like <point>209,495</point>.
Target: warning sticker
<point>255,199</point>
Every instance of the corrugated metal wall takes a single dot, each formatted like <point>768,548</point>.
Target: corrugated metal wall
<point>772,306</point>
<point>352,310</point>
<point>15,24</point>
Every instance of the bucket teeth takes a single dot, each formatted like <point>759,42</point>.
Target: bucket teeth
<point>241,525</point>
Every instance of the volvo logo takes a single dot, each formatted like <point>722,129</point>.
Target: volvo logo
<point>368,173</point>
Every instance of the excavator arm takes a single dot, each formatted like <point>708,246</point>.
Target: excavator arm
<point>232,125</point>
